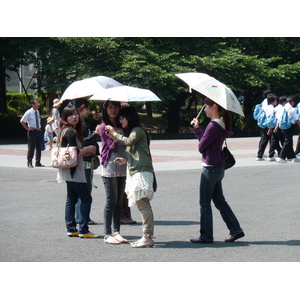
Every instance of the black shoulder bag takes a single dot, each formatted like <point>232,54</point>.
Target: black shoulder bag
<point>228,157</point>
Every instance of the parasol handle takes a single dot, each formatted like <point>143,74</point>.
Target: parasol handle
<point>200,111</point>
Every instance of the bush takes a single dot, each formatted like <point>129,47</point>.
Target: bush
<point>18,103</point>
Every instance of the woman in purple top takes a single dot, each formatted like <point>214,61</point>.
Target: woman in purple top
<point>113,175</point>
<point>210,146</point>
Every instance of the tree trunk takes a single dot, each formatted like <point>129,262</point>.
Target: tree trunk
<point>3,104</point>
<point>149,109</point>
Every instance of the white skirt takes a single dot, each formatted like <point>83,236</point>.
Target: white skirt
<point>139,186</point>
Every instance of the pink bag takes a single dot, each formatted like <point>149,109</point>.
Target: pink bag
<point>64,157</point>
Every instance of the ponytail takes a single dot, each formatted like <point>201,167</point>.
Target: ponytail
<point>227,119</point>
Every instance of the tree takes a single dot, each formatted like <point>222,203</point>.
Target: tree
<point>247,65</point>
<point>13,52</point>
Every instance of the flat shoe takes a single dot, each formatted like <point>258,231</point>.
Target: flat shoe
<point>89,235</point>
<point>235,237</point>
<point>138,245</point>
<point>111,240</point>
<point>72,234</point>
<point>200,241</point>
<point>91,222</point>
<point>120,239</point>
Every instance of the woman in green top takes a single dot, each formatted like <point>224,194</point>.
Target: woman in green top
<point>139,180</point>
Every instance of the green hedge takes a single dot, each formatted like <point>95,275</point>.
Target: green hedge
<point>18,103</point>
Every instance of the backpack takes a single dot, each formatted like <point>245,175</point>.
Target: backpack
<point>285,122</point>
<point>260,116</point>
<point>271,120</point>
<point>257,111</point>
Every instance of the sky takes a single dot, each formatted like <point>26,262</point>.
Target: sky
<point>149,18</point>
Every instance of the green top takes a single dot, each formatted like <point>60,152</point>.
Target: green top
<point>137,151</point>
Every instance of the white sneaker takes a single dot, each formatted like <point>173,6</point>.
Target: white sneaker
<point>298,155</point>
<point>271,159</point>
<point>259,159</point>
<point>296,160</point>
<point>280,160</point>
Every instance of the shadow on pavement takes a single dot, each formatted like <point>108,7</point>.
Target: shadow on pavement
<point>221,244</point>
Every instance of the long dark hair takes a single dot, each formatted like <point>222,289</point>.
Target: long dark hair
<point>105,117</point>
<point>69,111</point>
<point>132,117</point>
<point>224,114</point>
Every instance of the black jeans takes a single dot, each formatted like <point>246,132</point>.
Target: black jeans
<point>274,143</point>
<point>34,143</point>
<point>264,140</point>
<point>114,187</point>
<point>287,150</point>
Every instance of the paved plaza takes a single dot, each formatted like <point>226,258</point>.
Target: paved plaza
<point>264,196</point>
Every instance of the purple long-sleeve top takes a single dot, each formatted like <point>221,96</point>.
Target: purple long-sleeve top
<point>211,144</point>
<point>108,146</point>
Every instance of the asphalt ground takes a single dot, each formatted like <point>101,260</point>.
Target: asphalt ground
<point>264,196</point>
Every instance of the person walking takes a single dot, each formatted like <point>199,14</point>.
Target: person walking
<point>31,121</point>
<point>287,151</point>
<point>113,175</point>
<point>77,187</point>
<point>272,130</point>
<point>210,146</point>
<point>297,150</point>
<point>139,180</point>
<point>265,135</point>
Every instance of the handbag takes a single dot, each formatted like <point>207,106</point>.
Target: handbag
<point>228,157</point>
<point>64,157</point>
<point>95,161</point>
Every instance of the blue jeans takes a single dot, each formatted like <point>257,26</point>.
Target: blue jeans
<point>88,173</point>
<point>211,189</point>
<point>114,187</point>
<point>77,190</point>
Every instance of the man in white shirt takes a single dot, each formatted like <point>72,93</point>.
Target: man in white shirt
<point>265,137</point>
<point>31,121</point>
<point>270,110</point>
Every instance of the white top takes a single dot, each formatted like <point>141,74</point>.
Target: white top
<point>269,110</point>
<point>279,111</point>
<point>292,112</point>
<point>29,118</point>
<point>264,104</point>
